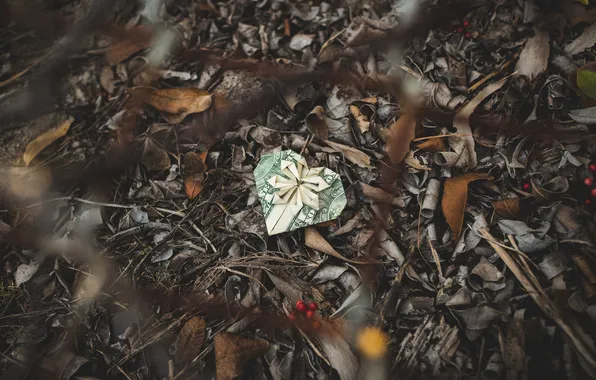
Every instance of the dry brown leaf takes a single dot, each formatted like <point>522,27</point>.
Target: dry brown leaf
<point>176,102</point>
<point>361,119</point>
<point>508,208</point>
<point>399,136</point>
<point>133,41</point>
<point>154,156</point>
<point>315,123</point>
<point>233,352</point>
<point>463,141</point>
<point>190,340</point>
<point>455,197</point>
<point>193,174</point>
<point>314,240</point>
<point>433,145</point>
<point>352,154</point>
<point>45,139</point>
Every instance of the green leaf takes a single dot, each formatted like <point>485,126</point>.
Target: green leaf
<point>586,81</point>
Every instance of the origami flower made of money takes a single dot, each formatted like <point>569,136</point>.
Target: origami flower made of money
<point>294,195</point>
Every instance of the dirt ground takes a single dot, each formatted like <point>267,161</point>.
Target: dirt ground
<point>144,150</point>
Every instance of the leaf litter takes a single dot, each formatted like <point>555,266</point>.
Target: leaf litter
<point>465,249</point>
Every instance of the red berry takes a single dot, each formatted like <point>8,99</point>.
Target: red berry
<point>588,202</point>
<point>316,324</point>
<point>588,181</point>
<point>526,186</point>
<point>310,314</point>
<point>592,168</point>
<point>466,23</point>
<point>460,30</point>
<point>593,192</point>
<point>468,35</point>
<point>313,306</point>
<point>301,306</point>
<point>292,317</point>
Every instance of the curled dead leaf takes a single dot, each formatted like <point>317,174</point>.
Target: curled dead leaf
<point>399,136</point>
<point>433,145</point>
<point>508,208</point>
<point>463,141</point>
<point>314,240</point>
<point>550,190</point>
<point>46,139</point>
<point>455,197</point>
<point>352,154</point>
<point>190,340</point>
<point>361,119</point>
<point>177,103</point>
<point>233,352</point>
<point>315,123</point>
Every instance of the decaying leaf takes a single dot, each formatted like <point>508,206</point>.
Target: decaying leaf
<point>515,354</point>
<point>154,156</point>
<point>361,119</point>
<point>463,141</point>
<point>533,58</point>
<point>314,240</point>
<point>233,352</point>
<point>176,102</point>
<point>455,196</point>
<point>399,136</point>
<point>315,123</point>
<point>508,208</point>
<point>190,339</point>
<point>131,42</point>
<point>45,139</point>
<point>477,318</point>
<point>352,154</point>
<point>433,145</point>
<point>195,167</point>
<point>584,41</point>
<point>550,190</point>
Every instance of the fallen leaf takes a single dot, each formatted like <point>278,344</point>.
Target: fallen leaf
<point>24,272</point>
<point>106,79</point>
<point>314,240</point>
<point>361,119</point>
<point>433,145</point>
<point>193,174</point>
<point>154,156</point>
<point>233,352</point>
<point>128,43</point>
<point>550,190</point>
<point>507,208</point>
<point>176,102</point>
<point>584,116</point>
<point>455,196</point>
<point>533,58</point>
<point>45,139</point>
<point>190,340</point>
<point>315,123</point>
<point>463,142</point>
<point>340,356</point>
<point>584,41</point>
<point>352,154</point>
<point>586,80</point>
<point>399,136</point>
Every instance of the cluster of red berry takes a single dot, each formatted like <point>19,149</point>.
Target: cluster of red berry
<point>308,311</point>
<point>462,29</point>
<point>590,182</point>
